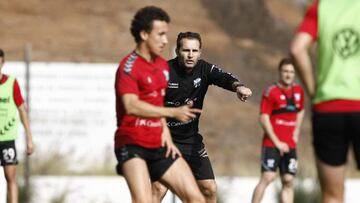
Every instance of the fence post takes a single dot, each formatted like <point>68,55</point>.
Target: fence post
<point>27,58</point>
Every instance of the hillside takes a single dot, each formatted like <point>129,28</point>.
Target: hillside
<point>245,37</point>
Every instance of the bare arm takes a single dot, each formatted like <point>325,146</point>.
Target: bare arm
<point>25,121</point>
<point>300,52</point>
<point>299,120</point>
<point>134,106</point>
<point>266,125</point>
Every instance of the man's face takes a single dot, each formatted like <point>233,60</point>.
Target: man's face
<point>189,53</point>
<point>287,74</point>
<point>157,39</point>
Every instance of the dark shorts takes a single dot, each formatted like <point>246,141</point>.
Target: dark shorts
<point>8,154</point>
<point>155,159</point>
<point>197,158</point>
<point>271,160</point>
<point>333,134</point>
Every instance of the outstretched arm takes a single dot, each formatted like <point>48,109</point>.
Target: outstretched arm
<point>242,92</point>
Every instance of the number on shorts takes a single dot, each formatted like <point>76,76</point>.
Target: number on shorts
<point>9,154</point>
<point>292,164</point>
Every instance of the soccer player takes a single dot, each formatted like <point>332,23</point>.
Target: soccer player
<point>143,145</point>
<point>190,78</point>
<point>281,115</point>
<point>11,103</point>
<point>335,89</point>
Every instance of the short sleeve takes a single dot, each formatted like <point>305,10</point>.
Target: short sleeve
<point>17,94</point>
<point>266,105</point>
<point>126,82</point>
<point>310,23</point>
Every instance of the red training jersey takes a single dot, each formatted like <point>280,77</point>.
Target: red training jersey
<point>275,102</point>
<point>148,81</point>
<point>18,99</point>
<point>310,25</point>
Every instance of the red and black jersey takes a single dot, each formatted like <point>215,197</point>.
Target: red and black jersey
<point>18,99</point>
<point>310,25</point>
<point>137,76</point>
<point>282,105</point>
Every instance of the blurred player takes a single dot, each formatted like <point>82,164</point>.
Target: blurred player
<point>143,145</point>
<point>335,90</point>
<point>281,115</point>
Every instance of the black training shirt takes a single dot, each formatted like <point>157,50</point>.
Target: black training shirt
<point>183,87</point>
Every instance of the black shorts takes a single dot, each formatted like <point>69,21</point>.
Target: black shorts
<point>8,154</point>
<point>333,133</point>
<point>155,159</point>
<point>197,158</point>
<point>271,160</point>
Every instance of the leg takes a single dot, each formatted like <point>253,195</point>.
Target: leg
<point>137,177</point>
<point>265,179</point>
<point>158,192</point>
<point>180,180</point>
<point>208,189</point>
<point>12,187</point>
<point>332,180</point>
<point>331,142</point>
<point>287,191</point>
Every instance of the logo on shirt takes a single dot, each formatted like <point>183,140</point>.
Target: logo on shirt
<point>149,80</point>
<point>197,82</point>
<point>173,85</point>
<point>346,42</point>
<point>4,100</point>
<point>147,123</point>
<point>297,96</point>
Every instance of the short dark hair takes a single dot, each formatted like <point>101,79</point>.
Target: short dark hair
<point>187,35</point>
<point>143,20</point>
<point>285,61</point>
<point>2,55</point>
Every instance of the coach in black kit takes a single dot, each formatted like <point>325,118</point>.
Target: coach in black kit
<point>190,77</point>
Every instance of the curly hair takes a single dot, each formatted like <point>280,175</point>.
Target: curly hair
<point>143,20</point>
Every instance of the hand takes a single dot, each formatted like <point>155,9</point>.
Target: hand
<point>243,93</point>
<point>282,147</point>
<point>171,149</point>
<point>29,147</point>
<point>185,113</point>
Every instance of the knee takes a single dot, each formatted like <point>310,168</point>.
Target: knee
<point>267,179</point>
<point>287,181</point>
<point>209,190</point>
<point>158,191</point>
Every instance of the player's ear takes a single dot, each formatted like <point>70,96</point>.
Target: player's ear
<point>144,35</point>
